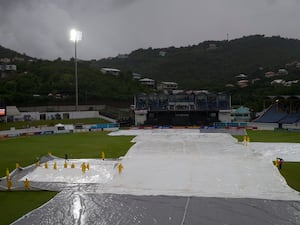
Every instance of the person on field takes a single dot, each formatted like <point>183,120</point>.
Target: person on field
<point>9,184</point>
<point>27,184</point>
<point>83,167</point>
<point>280,163</point>
<point>277,162</point>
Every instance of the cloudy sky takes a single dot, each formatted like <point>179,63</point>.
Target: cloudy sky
<point>40,28</point>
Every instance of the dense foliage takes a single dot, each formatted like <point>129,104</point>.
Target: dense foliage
<point>52,82</point>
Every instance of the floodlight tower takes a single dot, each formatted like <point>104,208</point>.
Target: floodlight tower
<point>76,36</point>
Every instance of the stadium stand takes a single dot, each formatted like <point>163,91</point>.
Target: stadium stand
<point>285,111</point>
<point>291,118</point>
<point>181,108</point>
<point>272,115</point>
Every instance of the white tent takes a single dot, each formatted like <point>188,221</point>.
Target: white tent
<point>60,126</point>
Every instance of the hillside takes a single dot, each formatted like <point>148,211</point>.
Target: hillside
<point>211,65</point>
<point>199,66</point>
<point>8,53</point>
<point>42,82</point>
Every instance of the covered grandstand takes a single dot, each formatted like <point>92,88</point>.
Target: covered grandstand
<point>180,108</point>
<point>283,110</point>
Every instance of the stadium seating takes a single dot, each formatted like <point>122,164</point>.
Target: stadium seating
<point>275,114</point>
<point>272,115</point>
<point>291,118</point>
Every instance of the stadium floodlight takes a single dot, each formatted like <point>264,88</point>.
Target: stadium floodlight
<point>76,36</point>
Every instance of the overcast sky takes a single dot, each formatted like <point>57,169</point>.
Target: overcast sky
<point>40,28</point>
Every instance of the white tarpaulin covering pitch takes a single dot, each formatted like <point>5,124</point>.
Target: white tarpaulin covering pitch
<point>185,162</point>
<point>99,172</point>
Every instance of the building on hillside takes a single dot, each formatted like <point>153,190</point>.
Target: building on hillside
<point>229,85</point>
<point>115,72</point>
<point>242,80</point>
<point>212,46</point>
<point>282,72</point>
<point>5,60</point>
<point>241,76</point>
<point>148,82</point>
<point>277,81</point>
<point>284,83</point>
<point>291,64</point>
<point>270,74</point>
<point>167,86</point>
<point>162,53</point>
<point>136,76</point>
<point>8,67</point>
<point>291,82</point>
<point>181,108</point>
<point>6,70</point>
<point>122,56</point>
<point>243,83</point>
<point>253,81</point>
<point>20,59</point>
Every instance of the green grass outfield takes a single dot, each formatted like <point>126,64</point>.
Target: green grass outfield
<point>16,204</point>
<point>271,136</point>
<point>291,172</point>
<point>26,151</point>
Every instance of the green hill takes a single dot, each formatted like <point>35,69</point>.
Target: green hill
<point>214,65</point>
<point>10,54</point>
<point>210,65</point>
<point>42,82</point>
<point>197,66</point>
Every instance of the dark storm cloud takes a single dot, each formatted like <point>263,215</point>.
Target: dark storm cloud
<point>40,28</point>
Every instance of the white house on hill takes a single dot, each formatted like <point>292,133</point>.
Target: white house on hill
<point>148,82</point>
<point>112,71</point>
<point>167,85</point>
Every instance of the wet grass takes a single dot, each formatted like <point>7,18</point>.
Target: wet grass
<point>272,136</point>
<point>16,204</point>
<point>27,150</point>
<point>290,170</point>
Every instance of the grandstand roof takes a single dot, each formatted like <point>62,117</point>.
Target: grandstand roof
<point>242,109</point>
